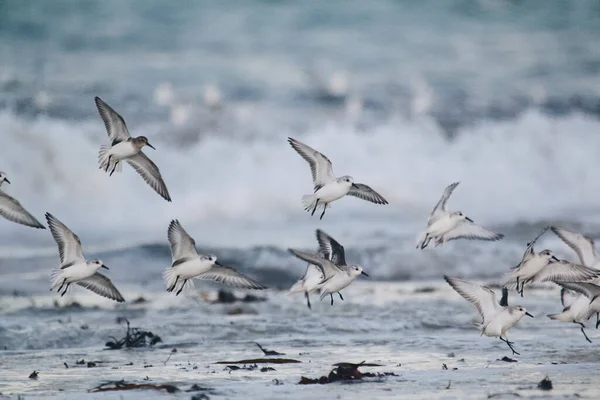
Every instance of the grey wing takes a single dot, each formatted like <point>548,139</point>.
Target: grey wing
<point>584,246</point>
<point>115,124</point>
<point>440,207</point>
<point>469,230</point>
<point>530,251</point>
<point>327,267</point>
<point>330,248</point>
<point>564,271</point>
<point>69,245</point>
<point>589,290</point>
<point>150,172</point>
<point>103,286</point>
<point>230,277</point>
<point>320,166</point>
<point>364,192</point>
<point>482,297</point>
<point>12,210</point>
<point>183,246</point>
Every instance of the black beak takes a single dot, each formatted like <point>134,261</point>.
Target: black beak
<point>149,145</point>
<point>104,266</point>
<point>218,264</point>
<point>355,186</point>
<point>554,258</point>
<point>529,315</point>
<point>468,219</point>
<point>364,273</point>
<point>7,181</point>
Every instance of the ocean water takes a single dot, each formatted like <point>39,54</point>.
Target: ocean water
<point>408,97</point>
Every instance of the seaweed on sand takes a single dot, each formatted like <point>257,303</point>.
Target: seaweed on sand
<point>122,385</point>
<point>134,337</point>
<point>344,372</point>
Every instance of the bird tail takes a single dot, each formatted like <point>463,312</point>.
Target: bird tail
<point>56,278</point>
<point>309,201</point>
<point>297,287</point>
<point>423,240</point>
<point>170,278</point>
<point>560,317</point>
<point>105,164</point>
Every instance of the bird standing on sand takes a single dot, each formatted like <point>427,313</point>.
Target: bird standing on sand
<point>75,268</point>
<point>328,188</point>
<point>497,318</point>
<point>444,225</point>
<point>188,264</point>
<point>12,210</point>
<point>125,147</point>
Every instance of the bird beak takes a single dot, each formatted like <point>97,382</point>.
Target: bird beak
<point>104,266</point>
<point>529,315</point>
<point>554,258</point>
<point>354,186</point>
<point>6,180</point>
<point>468,219</point>
<point>364,273</point>
<point>218,264</point>
<point>149,145</point>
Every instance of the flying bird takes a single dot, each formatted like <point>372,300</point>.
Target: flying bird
<point>12,210</point>
<point>497,317</point>
<point>74,268</point>
<point>125,147</point>
<point>328,188</point>
<point>188,264</point>
<point>443,225</point>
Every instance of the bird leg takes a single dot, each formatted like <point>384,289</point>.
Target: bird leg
<point>425,241</point>
<point>323,213</point>
<point>107,163</point>
<point>509,345</point>
<point>522,287</point>
<point>307,300</point>
<point>517,284</point>
<point>65,291</point>
<point>314,209</point>
<point>174,285</point>
<point>582,331</point>
<point>341,296</point>
<point>182,286</point>
<point>61,285</point>
<point>331,295</point>
<point>597,320</point>
<point>114,167</point>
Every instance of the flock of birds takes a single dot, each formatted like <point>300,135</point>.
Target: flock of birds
<point>327,270</point>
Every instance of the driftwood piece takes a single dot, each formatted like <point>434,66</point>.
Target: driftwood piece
<point>122,385</point>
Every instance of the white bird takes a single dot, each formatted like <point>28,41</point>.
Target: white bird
<point>124,147</point>
<point>309,282</point>
<point>576,306</point>
<point>592,292</point>
<point>497,318</point>
<point>12,210</point>
<point>188,264</point>
<point>332,264</point>
<point>328,188</point>
<point>443,225</point>
<point>545,267</point>
<point>74,268</point>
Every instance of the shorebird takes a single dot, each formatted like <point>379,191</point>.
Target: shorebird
<point>309,282</point>
<point>592,292</point>
<point>443,225</point>
<point>576,306</point>
<point>497,317</point>
<point>125,147</point>
<point>74,268</point>
<point>188,264</point>
<point>332,263</point>
<point>328,188</point>
<point>12,210</point>
<point>545,267</point>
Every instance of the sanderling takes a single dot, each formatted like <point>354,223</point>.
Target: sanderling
<point>12,210</point>
<point>328,188</point>
<point>444,225</point>
<point>545,267</point>
<point>188,264</point>
<point>497,318</point>
<point>74,268</point>
<point>576,306</point>
<point>124,147</point>
<point>332,264</point>
<point>309,282</point>
<point>592,292</point>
